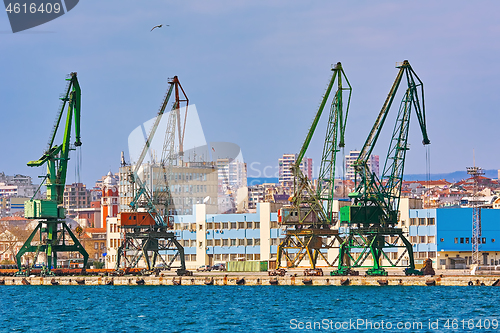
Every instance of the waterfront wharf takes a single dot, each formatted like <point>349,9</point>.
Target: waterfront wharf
<point>255,279</point>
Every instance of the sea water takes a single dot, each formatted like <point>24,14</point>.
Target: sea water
<point>249,309</point>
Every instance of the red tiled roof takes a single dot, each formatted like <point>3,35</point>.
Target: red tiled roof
<point>13,218</point>
<point>95,230</point>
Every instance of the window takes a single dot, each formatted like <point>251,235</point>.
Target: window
<point>256,257</point>
<point>413,221</point>
<point>484,240</point>
<point>257,225</point>
<point>193,243</point>
<point>193,257</point>
<point>210,225</point>
<point>225,242</point>
<point>274,225</point>
<point>249,257</point>
<point>257,241</point>
<point>210,242</point>
<point>200,226</point>
<point>217,226</point>
<point>421,221</point>
<point>456,240</point>
<point>249,242</point>
<point>233,256</point>
<point>461,240</point>
<point>217,242</point>
<point>233,225</point>
<point>241,242</point>
<point>274,241</point>
<point>225,225</point>
<point>96,246</point>
<point>432,254</point>
<point>249,225</point>
<point>241,225</point>
<point>413,239</point>
<point>200,244</point>
<point>431,221</point>
<point>422,239</point>
<point>467,240</point>
<point>233,242</point>
<point>217,257</point>
<point>431,239</point>
<point>442,262</point>
<point>225,257</point>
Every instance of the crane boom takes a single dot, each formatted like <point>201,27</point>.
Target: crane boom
<point>373,217</point>
<point>152,132</point>
<point>49,212</point>
<point>307,224</point>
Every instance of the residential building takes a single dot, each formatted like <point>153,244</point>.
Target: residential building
<point>373,164</point>
<point>75,196</point>
<point>17,186</point>
<point>232,173</point>
<point>265,193</point>
<point>232,176</point>
<point>94,242</point>
<point>285,174</point>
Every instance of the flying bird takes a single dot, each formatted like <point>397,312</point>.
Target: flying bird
<point>158,26</point>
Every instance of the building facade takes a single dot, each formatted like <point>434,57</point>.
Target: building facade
<point>373,164</point>
<point>285,174</point>
<point>445,235</point>
<point>191,184</point>
<point>216,238</point>
<point>75,196</point>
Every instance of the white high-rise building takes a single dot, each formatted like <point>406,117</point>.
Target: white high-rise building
<point>231,173</point>
<point>373,164</point>
<point>285,173</point>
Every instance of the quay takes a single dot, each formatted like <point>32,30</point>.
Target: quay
<point>255,279</point>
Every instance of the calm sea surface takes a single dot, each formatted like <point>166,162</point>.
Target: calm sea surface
<point>249,309</point>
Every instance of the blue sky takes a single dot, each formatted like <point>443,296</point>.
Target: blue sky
<point>256,71</point>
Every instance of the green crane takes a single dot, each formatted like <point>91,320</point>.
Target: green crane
<point>52,228</point>
<point>372,219</point>
<point>305,219</point>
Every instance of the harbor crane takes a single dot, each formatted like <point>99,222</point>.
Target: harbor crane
<point>148,233</point>
<point>372,219</point>
<point>52,228</point>
<point>309,218</point>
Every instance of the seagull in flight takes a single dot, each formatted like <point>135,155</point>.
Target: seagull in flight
<point>158,26</point>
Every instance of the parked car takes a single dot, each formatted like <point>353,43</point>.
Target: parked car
<point>219,267</point>
<point>204,268</point>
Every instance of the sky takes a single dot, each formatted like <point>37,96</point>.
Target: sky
<point>256,71</point>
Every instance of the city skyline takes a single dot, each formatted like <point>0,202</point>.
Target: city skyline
<point>255,82</point>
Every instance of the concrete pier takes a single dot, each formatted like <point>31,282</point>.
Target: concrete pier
<point>253,279</point>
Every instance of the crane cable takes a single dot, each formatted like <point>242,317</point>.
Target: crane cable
<point>343,173</point>
<point>428,177</point>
